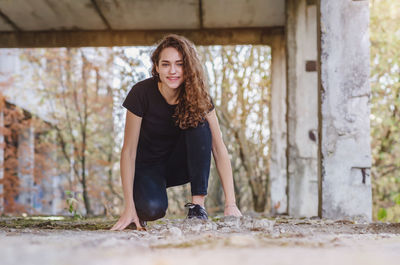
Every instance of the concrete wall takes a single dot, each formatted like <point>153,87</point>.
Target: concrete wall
<point>344,119</point>
<point>278,161</point>
<point>302,119</point>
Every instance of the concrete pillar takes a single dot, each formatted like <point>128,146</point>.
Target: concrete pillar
<point>25,154</point>
<point>345,153</point>
<point>302,118</point>
<point>278,166</point>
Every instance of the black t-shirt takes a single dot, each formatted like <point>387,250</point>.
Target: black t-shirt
<point>158,132</point>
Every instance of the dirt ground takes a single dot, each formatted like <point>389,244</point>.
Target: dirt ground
<point>246,240</point>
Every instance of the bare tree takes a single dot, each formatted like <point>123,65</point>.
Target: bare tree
<point>239,76</point>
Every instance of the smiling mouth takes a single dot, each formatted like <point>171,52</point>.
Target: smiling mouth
<point>173,78</point>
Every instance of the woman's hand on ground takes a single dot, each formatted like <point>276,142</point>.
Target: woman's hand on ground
<point>128,216</point>
<point>232,210</point>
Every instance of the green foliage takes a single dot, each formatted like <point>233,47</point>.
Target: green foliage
<point>397,199</point>
<point>382,213</point>
<point>73,204</point>
<point>385,107</point>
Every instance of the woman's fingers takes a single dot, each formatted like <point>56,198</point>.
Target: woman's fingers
<point>124,222</point>
<point>121,224</point>
<point>232,211</point>
<point>117,226</point>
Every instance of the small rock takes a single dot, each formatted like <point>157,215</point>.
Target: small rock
<point>175,232</point>
<point>247,222</point>
<point>163,231</point>
<point>263,225</point>
<point>225,230</point>
<point>196,225</point>
<point>230,221</point>
<point>361,219</point>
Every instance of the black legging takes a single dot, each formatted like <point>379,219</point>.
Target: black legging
<point>189,162</point>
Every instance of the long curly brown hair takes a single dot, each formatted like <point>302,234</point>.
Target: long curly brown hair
<point>194,98</point>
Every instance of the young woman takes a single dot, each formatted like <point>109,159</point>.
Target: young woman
<point>171,129</point>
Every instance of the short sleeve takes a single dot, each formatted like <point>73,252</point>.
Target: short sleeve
<point>135,101</point>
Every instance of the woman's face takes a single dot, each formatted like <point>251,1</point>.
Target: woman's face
<point>170,68</point>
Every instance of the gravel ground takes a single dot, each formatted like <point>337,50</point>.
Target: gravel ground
<point>246,240</point>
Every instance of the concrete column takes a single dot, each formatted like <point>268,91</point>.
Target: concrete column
<point>25,154</point>
<point>277,164</point>
<point>345,153</point>
<point>302,119</point>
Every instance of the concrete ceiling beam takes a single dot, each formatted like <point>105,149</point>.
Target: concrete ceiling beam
<point>262,36</point>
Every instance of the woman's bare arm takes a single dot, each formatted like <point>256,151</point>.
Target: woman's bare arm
<point>223,164</point>
<point>127,167</point>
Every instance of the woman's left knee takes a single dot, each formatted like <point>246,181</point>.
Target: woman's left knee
<point>153,210</point>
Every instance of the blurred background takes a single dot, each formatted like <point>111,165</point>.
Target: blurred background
<point>75,96</point>
<point>63,124</point>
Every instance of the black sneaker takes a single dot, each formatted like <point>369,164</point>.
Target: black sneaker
<point>142,223</point>
<point>196,211</point>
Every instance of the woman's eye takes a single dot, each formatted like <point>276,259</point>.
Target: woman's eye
<point>180,64</point>
<point>164,64</point>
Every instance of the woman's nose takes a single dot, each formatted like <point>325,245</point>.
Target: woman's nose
<point>172,69</point>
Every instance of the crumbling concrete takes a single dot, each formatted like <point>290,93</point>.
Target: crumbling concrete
<point>344,114</point>
<point>246,240</point>
<point>278,161</point>
<point>302,119</point>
